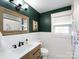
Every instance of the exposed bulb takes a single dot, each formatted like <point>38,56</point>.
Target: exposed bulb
<point>25,6</point>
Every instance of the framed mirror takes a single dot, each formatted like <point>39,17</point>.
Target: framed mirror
<point>12,22</point>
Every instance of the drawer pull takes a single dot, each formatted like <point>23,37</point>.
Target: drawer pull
<point>38,57</point>
<point>36,52</point>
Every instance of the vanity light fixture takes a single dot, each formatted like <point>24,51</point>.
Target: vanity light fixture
<point>19,4</point>
<point>25,6</point>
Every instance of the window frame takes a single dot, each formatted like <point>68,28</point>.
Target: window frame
<point>63,25</point>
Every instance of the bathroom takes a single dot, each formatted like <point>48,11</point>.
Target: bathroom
<point>32,29</point>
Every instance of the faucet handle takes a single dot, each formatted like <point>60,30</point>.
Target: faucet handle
<point>21,43</point>
<point>14,46</point>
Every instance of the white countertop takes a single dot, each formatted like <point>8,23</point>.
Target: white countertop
<point>18,52</point>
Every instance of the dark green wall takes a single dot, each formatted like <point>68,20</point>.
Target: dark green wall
<point>45,19</point>
<point>31,13</point>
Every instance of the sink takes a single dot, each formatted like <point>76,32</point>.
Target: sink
<point>22,49</point>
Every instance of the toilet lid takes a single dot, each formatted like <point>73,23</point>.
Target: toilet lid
<point>43,50</point>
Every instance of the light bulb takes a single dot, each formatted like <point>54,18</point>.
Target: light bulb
<point>25,6</point>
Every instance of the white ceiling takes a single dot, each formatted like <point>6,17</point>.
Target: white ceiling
<point>47,5</point>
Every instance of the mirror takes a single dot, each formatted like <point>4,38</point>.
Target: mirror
<point>12,23</point>
<point>25,25</point>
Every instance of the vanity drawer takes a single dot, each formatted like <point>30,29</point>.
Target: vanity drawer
<point>25,56</point>
<point>33,54</point>
<point>35,50</point>
<point>36,53</point>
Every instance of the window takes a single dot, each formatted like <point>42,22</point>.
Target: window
<point>61,22</point>
<point>62,29</point>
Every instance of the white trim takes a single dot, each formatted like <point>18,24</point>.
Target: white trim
<point>61,14</point>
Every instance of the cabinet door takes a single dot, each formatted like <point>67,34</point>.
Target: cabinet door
<point>25,56</point>
<point>35,53</point>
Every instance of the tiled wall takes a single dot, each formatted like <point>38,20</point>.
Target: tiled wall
<point>59,46</point>
<point>0,39</point>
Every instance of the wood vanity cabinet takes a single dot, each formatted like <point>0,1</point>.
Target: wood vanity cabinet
<point>25,56</point>
<point>34,54</point>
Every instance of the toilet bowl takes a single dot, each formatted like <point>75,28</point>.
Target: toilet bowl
<point>44,53</point>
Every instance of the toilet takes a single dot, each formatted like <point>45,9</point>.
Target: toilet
<point>44,53</point>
